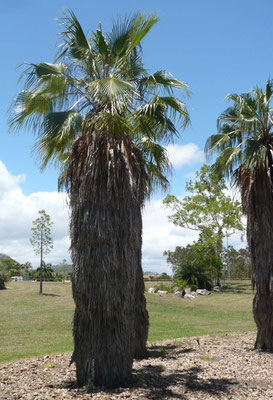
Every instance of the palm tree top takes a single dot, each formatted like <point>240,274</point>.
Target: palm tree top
<point>100,84</point>
<point>245,132</point>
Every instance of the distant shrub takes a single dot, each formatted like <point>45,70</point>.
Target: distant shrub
<point>181,284</point>
<point>3,278</point>
<point>164,277</point>
<point>163,286</point>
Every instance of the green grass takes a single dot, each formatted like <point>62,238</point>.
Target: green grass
<point>238,286</point>
<point>32,325</point>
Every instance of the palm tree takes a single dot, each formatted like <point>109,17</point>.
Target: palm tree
<point>244,143</point>
<point>47,272</point>
<point>100,116</point>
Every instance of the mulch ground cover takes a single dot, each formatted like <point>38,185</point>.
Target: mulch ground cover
<point>206,367</point>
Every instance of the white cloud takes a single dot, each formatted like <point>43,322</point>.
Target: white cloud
<point>8,181</point>
<point>17,211</point>
<point>184,154</point>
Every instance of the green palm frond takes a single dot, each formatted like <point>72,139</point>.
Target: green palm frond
<point>164,80</point>
<point>58,131</point>
<point>245,131</point>
<point>43,69</point>
<point>228,161</point>
<point>112,90</point>
<point>175,108</point>
<point>141,27</point>
<point>156,162</point>
<point>254,154</point>
<point>98,85</point>
<point>268,92</point>
<point>127,34</point>
<point>35,71</point>
<point>152,119</point>
<point>74,42</point>
<point>113,124</point>
<point>159,115</point>
<point>28,110</point>
<point>101,45</point>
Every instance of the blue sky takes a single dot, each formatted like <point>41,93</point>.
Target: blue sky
<point>217,47</point>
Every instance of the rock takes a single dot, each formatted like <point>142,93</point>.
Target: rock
<point>151,290</point>
<point>189,296</point>
<point>162,292</point>
<point>177,293</point>
<point>216,289</point>
<point>203,292</point>
<point>188,290</point>
<point>194,294</point>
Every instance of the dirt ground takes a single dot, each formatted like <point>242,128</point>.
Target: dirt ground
<point>206,367</point>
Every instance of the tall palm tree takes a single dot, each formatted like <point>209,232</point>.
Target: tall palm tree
<point>244,143</point>
<point>100,116</point>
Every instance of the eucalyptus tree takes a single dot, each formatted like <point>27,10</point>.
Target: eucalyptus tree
<point>103,118</point>
<point>207,208</point>
<point>244,146</point>
<point>41,240</point>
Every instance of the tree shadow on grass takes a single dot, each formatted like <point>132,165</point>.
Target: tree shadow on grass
<point>159,386</point>
<point>51,294</point>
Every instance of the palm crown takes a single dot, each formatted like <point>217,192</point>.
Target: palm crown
<point>99,84</point>
<point>244,137</point>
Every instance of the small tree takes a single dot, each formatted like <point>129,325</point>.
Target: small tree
<point>41,239</point>
<point>239,261</point>
<point>207,208</point>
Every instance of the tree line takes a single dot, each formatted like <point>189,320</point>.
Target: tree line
<point>56,273</point>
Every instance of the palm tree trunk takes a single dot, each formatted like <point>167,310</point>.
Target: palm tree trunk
<point>141,314</point>
<point>41,265</point>
<point>103,184</point>
<point>219,247</point>
<point>258,205</point>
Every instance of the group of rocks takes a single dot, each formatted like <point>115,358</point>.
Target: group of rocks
<point>189,294</point>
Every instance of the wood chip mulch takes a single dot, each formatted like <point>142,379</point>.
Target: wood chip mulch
<point>206,367</point>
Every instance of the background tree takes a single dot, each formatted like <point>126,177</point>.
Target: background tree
<point>41,240</point>
<point>26,269</point>
<point>63,269</point>
<point>164,277</point>
<point>47,272</point>
<point>239,262</point>
<point>208,207</point>
<point>12,267</point>
<point>3,275</point>
<point>244,146</point>
<point>195,263</point>
<point>102,117</point>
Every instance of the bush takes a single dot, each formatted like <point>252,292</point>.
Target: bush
<point>194,275</point>
<point>163,286</point>
<point>3,278</point>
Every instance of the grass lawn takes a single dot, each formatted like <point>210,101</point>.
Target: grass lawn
<point>32,325</point>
